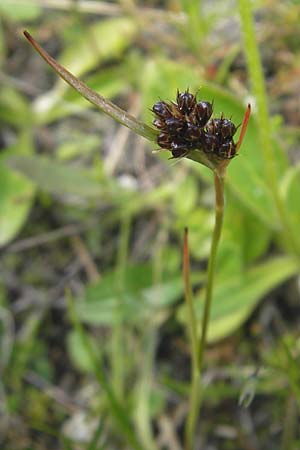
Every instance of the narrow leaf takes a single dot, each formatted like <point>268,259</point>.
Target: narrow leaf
<point>56,178</point>
<point>16,193</point>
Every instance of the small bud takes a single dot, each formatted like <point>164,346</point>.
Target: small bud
<point>159,124</point>
<point>175,125</point>
<point>179,149</point>
<point>227,150</point>
<point>204,111</point>
<point>164,141</point>
<point>210,142</point>
<point>186,102</point>
<point>162,110</point>
<point>228,129</point>
<point>194,131</point>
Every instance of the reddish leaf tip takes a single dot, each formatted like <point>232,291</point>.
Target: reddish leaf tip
<point>244,126</point>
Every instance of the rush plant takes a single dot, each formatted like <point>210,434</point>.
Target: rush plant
<point>187,129</point>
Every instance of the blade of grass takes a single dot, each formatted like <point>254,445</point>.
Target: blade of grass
<point>93,445</point>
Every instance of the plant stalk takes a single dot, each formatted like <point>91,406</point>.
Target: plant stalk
<point>198,349</point>
<point>219,177</point>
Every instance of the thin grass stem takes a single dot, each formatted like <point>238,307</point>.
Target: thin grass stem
<point>219,214</point>
<point>198,349</point>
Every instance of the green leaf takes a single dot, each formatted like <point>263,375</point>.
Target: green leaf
<point>56,178</point>
<point>104,40</point>
<point>109,82</point>
<point>133,300</point>
<point>16,195</point>
<point>78,353</point>
<point>235,298</point>
<point>290,188</point>
<point>186,196</point>
<point>200,223</point>
<point>2,45</point>
<point>14,107</point>
<point>19,11</point>
<point>93,97</point>
<point>247,237</point>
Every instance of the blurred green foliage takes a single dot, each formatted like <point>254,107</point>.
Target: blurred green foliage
<point>53,166</point>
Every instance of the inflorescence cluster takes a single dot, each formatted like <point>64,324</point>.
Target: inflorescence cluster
<point>186,125</point>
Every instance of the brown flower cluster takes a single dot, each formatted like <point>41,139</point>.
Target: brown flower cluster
<point>186,125</point>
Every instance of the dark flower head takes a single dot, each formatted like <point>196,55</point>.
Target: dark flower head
<point>186,102</point>
<point>186,125</point>
<point>203,112</point>
<point>162,110</point>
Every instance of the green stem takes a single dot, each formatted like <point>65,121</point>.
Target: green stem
<point>144,388</point>
<point>258,85</point>
<point>219,176</point>
<point>198,352</point>
<point>194,408</point>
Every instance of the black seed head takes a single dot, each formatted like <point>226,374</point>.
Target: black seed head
<point>228,129</point>
<point>187,125</point>
<point>175,125</point>
<point>209,142</point>
<point>213,126</point>
<point>193,131</point>
<point>164,141</point>
<point>186,102</point>
<point>203,112</point>
<point>179,149</point>
<point>227,150</point>
<point>162,110</point>
<point>160,124</point>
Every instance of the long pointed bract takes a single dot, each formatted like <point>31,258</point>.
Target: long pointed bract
<point>244,126</point>
<point>93,97</point>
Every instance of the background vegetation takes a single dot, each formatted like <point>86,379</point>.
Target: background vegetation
<point>91,229</point>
